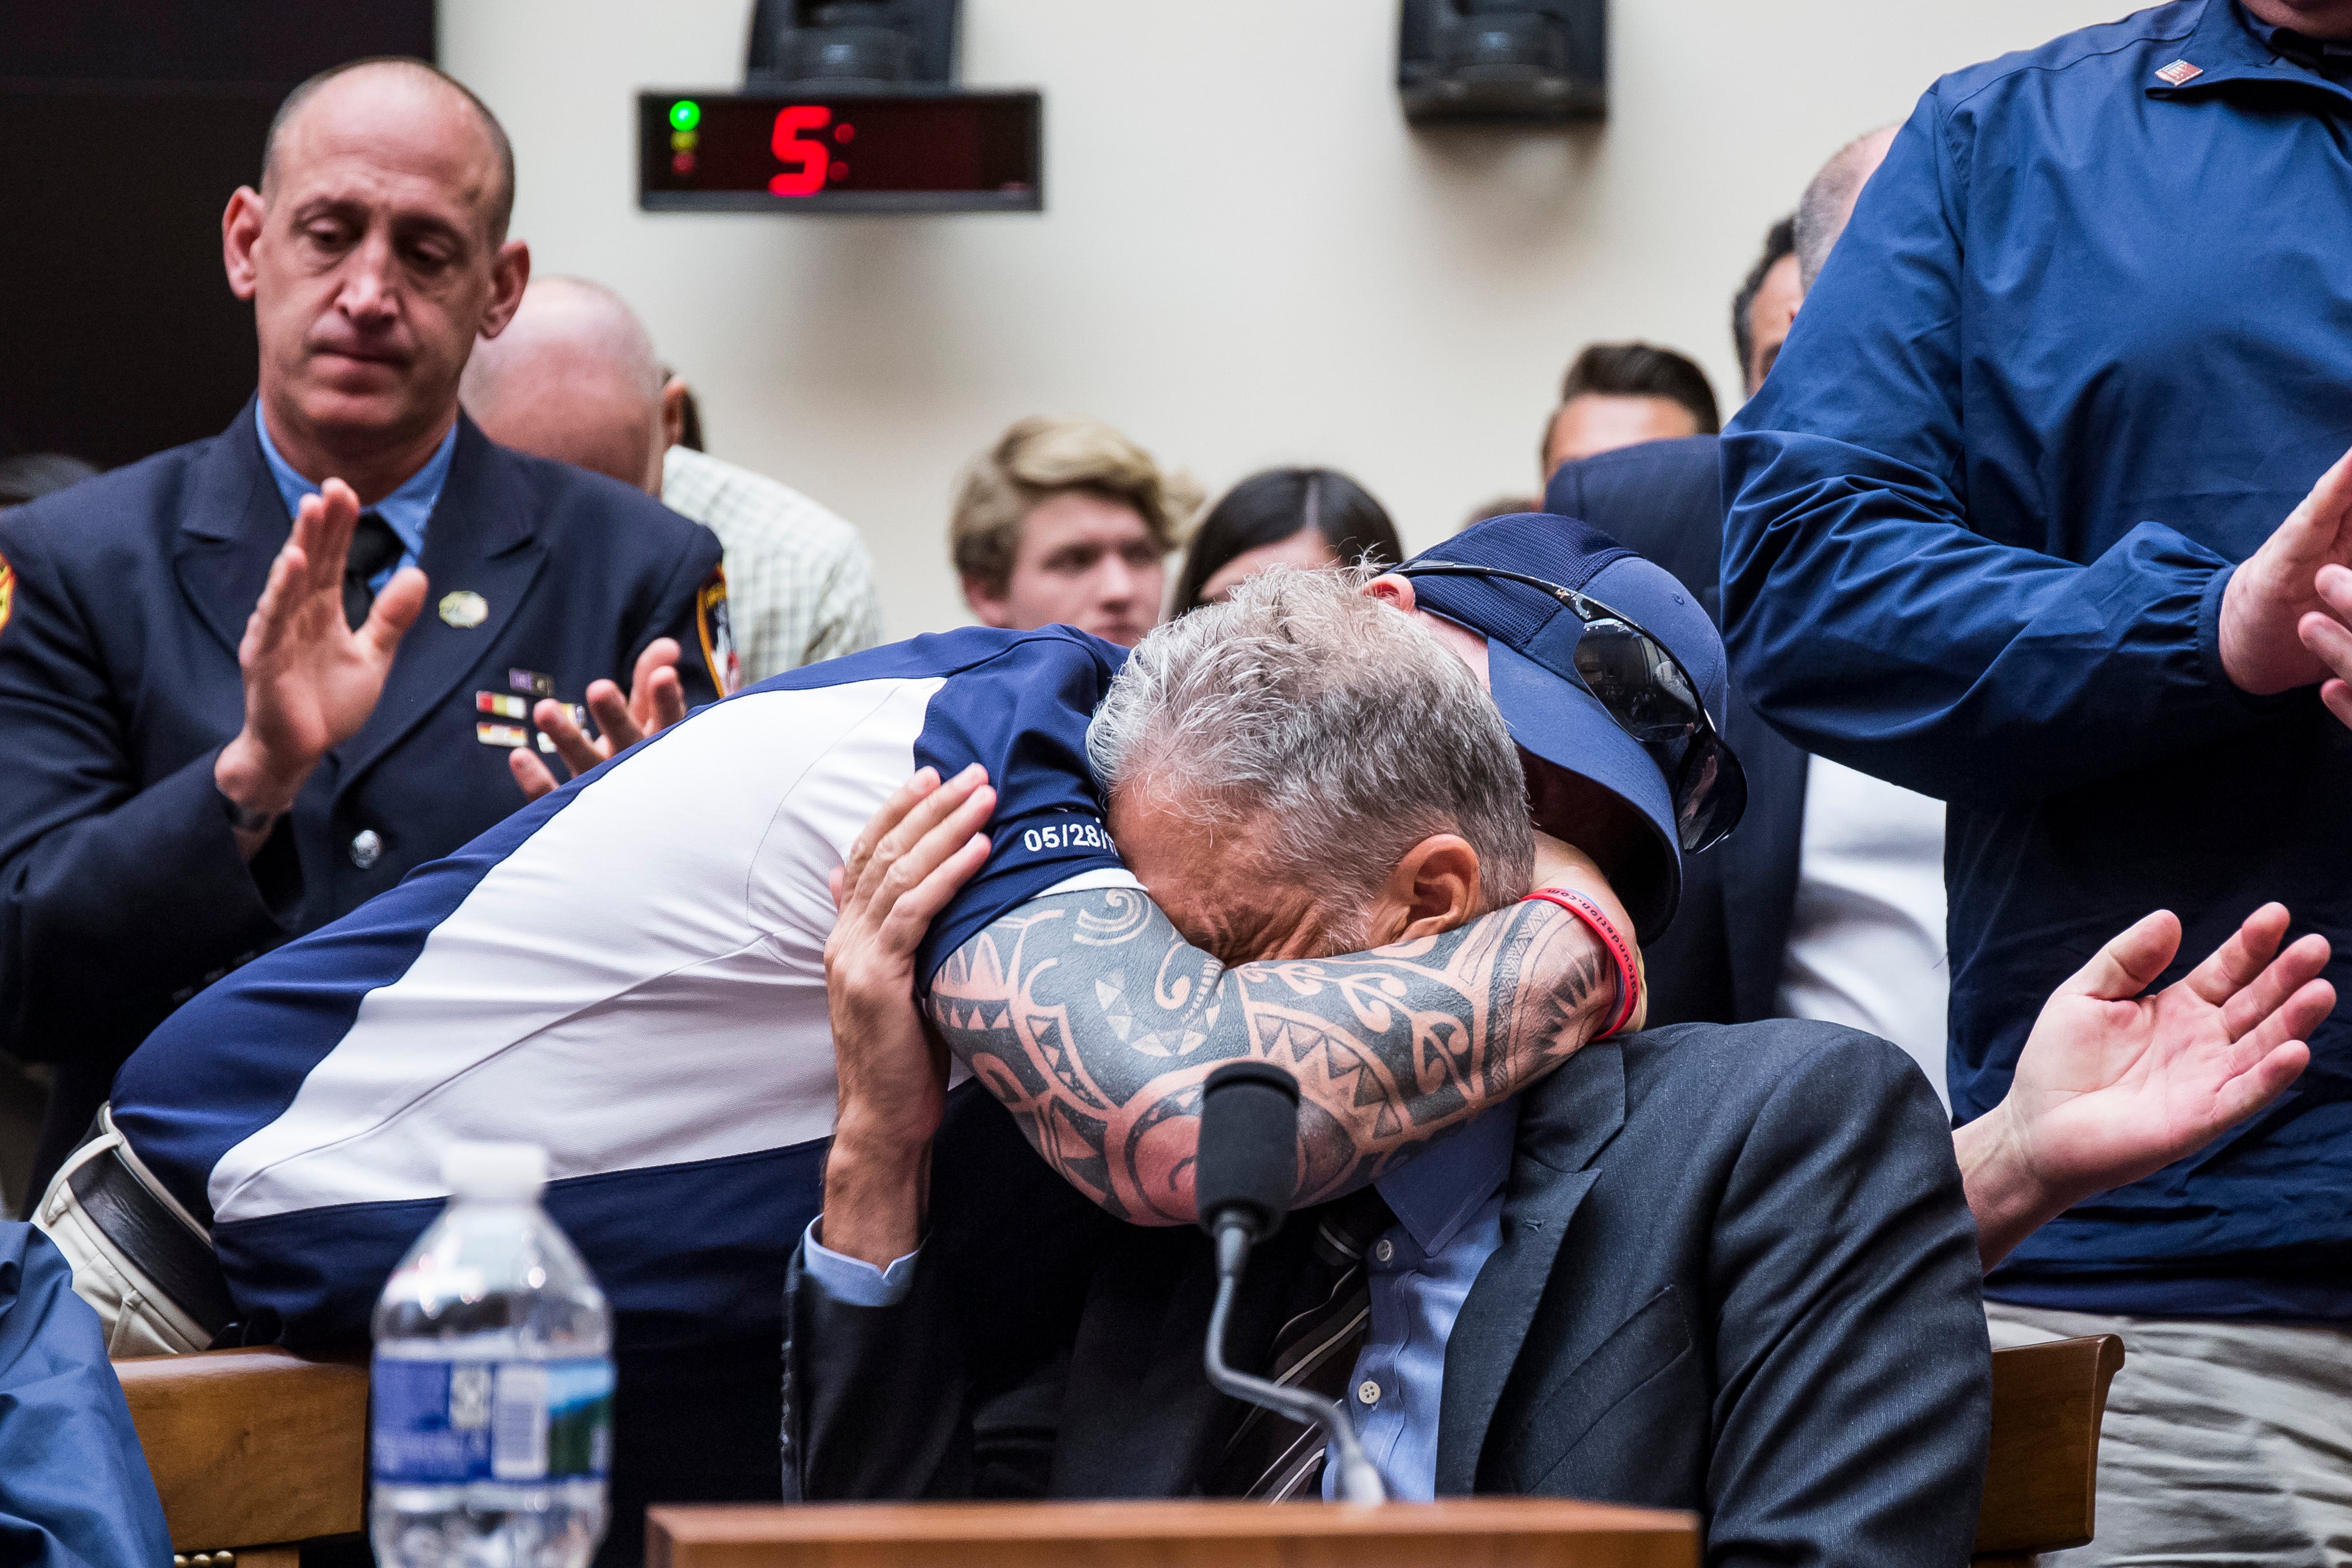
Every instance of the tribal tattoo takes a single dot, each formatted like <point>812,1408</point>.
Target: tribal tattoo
<point>1095,1022</point>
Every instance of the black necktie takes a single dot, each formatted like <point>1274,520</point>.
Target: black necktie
<point>374,548</point>
<point>1271,1456</point>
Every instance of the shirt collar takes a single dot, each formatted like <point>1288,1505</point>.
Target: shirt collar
<point>2331,58</point>
<point>1437,1191</point>
<point>407,509</point>
<point>2229,45</point>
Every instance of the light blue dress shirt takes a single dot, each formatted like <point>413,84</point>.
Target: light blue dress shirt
<point>1449,1208</point>
<point>406,509</point>
<point>853,1280</point>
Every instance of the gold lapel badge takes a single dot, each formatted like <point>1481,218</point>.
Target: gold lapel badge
<point>465,609</point>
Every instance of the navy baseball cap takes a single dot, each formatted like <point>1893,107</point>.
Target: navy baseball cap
<point>1556,718</point>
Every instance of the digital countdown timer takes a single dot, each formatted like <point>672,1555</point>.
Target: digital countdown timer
<point>911,152</point>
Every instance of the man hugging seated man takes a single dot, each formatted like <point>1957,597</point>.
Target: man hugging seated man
<point>1727,1270</point>
<point>633,972</point>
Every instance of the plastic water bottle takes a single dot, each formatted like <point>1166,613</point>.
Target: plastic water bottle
<point>492,1382</point>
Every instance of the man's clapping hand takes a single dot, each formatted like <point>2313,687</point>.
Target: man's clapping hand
<point>2327,634</point>
<point>310,680</point>
<point>656,701</point>
<point>2267,609</point>
<point>2113,1084</point>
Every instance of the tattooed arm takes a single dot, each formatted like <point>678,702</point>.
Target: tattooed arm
<point>1094,1020</point>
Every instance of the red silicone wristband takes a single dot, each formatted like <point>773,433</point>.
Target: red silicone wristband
<point>1629,974</point>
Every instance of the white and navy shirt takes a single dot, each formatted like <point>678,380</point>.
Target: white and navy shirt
<point>629,972</point>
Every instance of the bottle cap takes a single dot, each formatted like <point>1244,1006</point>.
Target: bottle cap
<point>496,1172</point>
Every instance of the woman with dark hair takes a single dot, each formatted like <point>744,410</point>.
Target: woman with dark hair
<point>1284,517</point>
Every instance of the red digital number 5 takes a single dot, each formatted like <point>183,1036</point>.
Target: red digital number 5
<point>804,161</point>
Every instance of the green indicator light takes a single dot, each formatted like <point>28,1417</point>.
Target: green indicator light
<point>685,114</point>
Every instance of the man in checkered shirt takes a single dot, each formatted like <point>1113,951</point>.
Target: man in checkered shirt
<point>574,378</point>
<point>800,586</point>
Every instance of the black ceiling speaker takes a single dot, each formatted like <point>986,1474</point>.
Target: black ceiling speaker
<point>1503,59</point>
<point>862,46</point>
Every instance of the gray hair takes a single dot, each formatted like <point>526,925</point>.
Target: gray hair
<point>1829,199</point>
<point>1302,701</point>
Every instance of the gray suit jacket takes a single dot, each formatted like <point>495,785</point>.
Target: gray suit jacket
<point>1737,1276</point>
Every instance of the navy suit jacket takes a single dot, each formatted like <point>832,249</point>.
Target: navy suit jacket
<point>121,603</point>
<point>1738,1275</point>
<point>1720,961</point>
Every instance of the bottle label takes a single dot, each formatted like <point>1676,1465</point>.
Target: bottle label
<point>445,1423</point>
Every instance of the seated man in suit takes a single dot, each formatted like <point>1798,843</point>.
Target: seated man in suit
<point>1725,1270</point>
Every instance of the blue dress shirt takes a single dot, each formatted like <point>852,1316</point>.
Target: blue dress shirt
<point>2087,341</point>
<point>406,509</point>
<point>1448,1203</point>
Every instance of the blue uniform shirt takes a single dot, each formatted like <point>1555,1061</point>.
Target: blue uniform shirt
<point>2086,342</point>
<point>406,509</point>
<point>630,973</point>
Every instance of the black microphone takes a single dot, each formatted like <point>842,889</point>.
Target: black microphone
<point>1244,1178</point>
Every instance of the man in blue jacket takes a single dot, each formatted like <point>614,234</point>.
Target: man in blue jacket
<point>233,708</point>
<point>2086,342</point>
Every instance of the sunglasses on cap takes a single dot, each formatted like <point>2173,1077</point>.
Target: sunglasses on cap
<point>1647,692</point>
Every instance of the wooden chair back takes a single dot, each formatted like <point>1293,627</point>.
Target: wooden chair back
<point>254,1451</point>
<point>2041,1478</point>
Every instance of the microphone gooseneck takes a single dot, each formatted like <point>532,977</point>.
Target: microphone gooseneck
<point>1244,1179</point>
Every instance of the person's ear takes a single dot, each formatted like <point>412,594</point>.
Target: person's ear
<point>1392,591</point>
<point>241,225</point>
<point>1431,889</point>
<point>990,606</point>
<point>510,276</point>
<point>673,411</point>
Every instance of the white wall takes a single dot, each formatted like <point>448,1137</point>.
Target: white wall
<point>1247,257</point>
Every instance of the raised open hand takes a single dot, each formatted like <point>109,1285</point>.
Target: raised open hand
<point>922,846</point>
<point>2264,608</point>
<point>310,680</point>
<point>2113,1084</point>
<point>656,701</point>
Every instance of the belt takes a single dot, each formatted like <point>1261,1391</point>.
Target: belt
<point>177,1261</point>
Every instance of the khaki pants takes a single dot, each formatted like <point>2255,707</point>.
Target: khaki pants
<point>2225,1442</point>
<point>140,1320</point>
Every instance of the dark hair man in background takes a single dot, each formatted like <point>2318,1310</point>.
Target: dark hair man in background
<point>1618,394</point>
<point>1766,306</point>
<point>197,775</point>
<point>2005,526</point>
